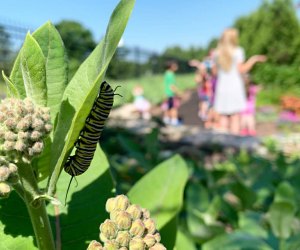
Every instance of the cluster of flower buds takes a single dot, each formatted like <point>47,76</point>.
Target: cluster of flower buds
<point>129,227</point>
<point>23,126</point>
<point>8,176</point>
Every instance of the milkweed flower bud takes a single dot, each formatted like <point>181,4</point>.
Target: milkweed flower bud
<point>102,237</point>
<point>9,145</point>
<point>129,227</point>
<point>4,173</point>
<point>158,246</point>
<point>95,245</point>
<point>13,174</point>
<point>157,237</point>
<point>109,229</point>
<point>5,190</point>
<point>146,213</point>
<point>111,245</point>
<point>10,136</point>
<point>149,240</point>
<point>110,204</point>
<point>35,135</point>
<point>123,238</point>
<point>137,228</point>
<point>122,202</point>
<point>150,226</point>
<point>123,220</point>
<point>135,211</point>
<point>137,244</point>
<point>20,146</point>
<point>113,214</point>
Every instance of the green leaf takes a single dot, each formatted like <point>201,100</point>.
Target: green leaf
<point>33,71</point>
<point>184,241</point>
<point>251,222</point>
<point>246,195</point>
<point>161,191</point>
<point>83,88</point>
<point>236,241</point>
<point>80,220</point>
<point>285,193</point>
<point>16,76</point>
<point>16,231</point>
<point>280,216</point>
<point>52,46</point>
<point>197,197</point>
<point>199,228</point>
<point>11,89</point>
<point>53,49</point>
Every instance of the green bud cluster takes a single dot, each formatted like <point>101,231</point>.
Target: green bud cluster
<point>23,126</point>
<point>8,176</point>
<point>130,227</point>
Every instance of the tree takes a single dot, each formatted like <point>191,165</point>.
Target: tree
<point>78,41</point>
<point>273,30</point>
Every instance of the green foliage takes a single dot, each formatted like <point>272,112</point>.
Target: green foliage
<point>272,30</point>
<point>40,73</point>
<point>78,41</point>
<point>238,202</point>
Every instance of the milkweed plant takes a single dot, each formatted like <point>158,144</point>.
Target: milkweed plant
<point>40,122</point>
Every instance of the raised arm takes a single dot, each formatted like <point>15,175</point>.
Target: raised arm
<point>248,65</point>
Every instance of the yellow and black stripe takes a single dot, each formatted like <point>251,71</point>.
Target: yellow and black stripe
<point>90,134</point>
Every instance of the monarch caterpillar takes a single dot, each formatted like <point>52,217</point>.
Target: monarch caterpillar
<point>89,136</point>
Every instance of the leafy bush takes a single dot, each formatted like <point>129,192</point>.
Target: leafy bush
<point>233,199</point>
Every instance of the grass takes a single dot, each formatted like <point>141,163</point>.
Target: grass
<point>153,87</point>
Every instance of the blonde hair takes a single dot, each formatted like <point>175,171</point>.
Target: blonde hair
<point>227,43</point>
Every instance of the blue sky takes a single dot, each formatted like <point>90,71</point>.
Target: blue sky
<point>154,25</point>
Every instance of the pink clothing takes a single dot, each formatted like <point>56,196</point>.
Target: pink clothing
<point>251,101</point>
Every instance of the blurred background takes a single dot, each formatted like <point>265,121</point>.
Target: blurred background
<point>239,185</point>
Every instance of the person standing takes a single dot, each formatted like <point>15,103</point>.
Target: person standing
<point>230,96</point>
<point>171,90</point>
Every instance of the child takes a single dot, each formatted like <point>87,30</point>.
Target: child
<point>141,104</point>
<point>248,115</point>
<point>205,82</point>
<point>171,90</point>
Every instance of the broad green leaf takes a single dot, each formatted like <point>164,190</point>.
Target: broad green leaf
<point>52,46</point>
<point>197,197</point>
<point>184,241</point>
<point>80,220</point>
<point>285,193</point>
<point>33,71</point>
<point>236,241</point>
<point>11,89</point>
<point>16,231</point>
<point>251,222</point>
<point>199,229</point>
<point>83,88</point>
<point>53,49</point>
<point>280,216</point>
<point>16,76</point>
<point>161,190</point>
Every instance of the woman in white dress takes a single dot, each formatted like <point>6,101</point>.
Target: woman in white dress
<point>230,96</point>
